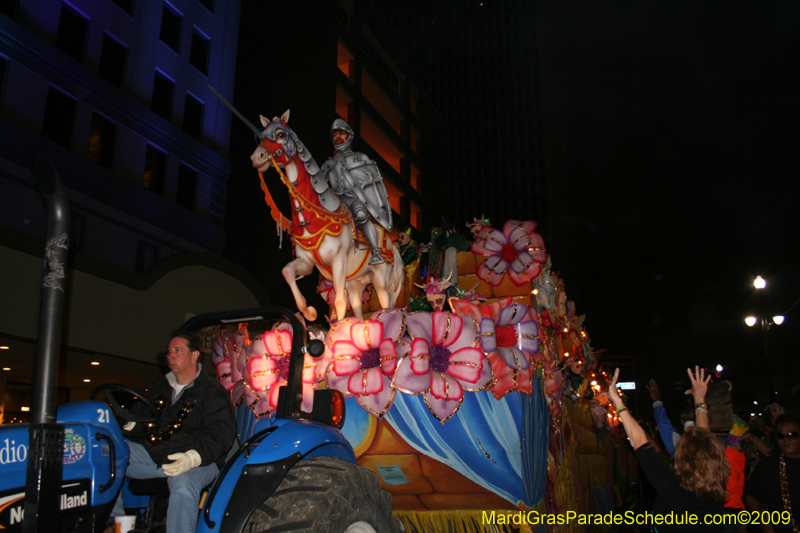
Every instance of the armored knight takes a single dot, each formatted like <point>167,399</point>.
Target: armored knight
<point>355,178</point>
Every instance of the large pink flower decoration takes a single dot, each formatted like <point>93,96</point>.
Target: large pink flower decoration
<point>268,365</point>
<point>517,251</point>
<point>509,333</point>
<point>229,355</point>
<point>442,359</point>
<point>365,359</point>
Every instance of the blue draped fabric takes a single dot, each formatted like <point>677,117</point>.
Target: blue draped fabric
<point>499,444</point>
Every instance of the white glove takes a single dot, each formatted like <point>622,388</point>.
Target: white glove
<point>182,463</point>
<point>129,426</point>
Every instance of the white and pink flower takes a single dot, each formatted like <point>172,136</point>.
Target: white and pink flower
<point>268,366</point>
<point>517,251</point>
<point>365,359</point>
<point>509,333</point>
<point>441,359</point>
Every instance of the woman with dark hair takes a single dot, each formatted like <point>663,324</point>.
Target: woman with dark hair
<point>695,485</point>
<point>775,481</point>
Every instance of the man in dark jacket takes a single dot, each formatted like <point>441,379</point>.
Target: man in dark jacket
<point>189,442</point>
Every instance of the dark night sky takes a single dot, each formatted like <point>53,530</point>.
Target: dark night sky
<point>672,136</point>
<point>671,139</point>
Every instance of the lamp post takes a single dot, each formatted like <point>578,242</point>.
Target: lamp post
<point>760,283</point>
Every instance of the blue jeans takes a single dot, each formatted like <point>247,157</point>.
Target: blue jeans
<point>184,490</point>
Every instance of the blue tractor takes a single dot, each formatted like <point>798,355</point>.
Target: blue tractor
<point>295,473</point>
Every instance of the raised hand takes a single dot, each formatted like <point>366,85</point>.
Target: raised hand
<point>699,383</point>
<point>655,394</point>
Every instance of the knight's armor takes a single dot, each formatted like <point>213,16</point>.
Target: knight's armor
<point>355,178</point>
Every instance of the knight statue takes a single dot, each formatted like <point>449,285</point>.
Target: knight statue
<point>355,178</point>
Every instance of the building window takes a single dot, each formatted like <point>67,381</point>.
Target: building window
<point>155,170</point>
<point>199,53</point>
<point>102,140</point>
<point>346,62</point>
<point>208,4</point>
<point>171,27</point>
<point>71,37</point>
<point>127,5</point>
<point>193,116</point>
<point>344,104</point>
<point>187,187</point>
<point>59,118</point>
<point>146,255</point>
<point>112,61</point>
<point>163,89</point>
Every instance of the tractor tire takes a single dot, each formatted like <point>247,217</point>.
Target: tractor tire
<point>326,495</point>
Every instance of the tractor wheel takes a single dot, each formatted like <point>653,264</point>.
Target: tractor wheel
<point>326,495</point>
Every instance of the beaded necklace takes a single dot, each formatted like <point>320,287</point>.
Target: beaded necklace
<point>787,504</point>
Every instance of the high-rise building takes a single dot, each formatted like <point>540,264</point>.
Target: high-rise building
<point>478,63</point>
<point>115,93</point>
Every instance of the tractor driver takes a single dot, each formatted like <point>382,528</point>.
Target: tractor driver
<point>189,443</point>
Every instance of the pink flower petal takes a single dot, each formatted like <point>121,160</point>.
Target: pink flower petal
<point>512,314</point>
<point>489,242</point>
<point>440,327</point>
<point>366,335</point>
<point>463,333</point>
<point>488,339</point>
<point>420,325</point>
<point>420,356</point>
<point>337,382</point>
<point>262,408</point>
<point>309,369</point>
<point>407,381</point>
<point>346,358</point>
<point>445,387</point>
<point>378,404</point>
<point>464,307</point>
<point>273,395</point>
<point>278,342</point>
<point>368,382</point>
<point>492,270</point>
<point>466,364</point>
<point>308,398</point>
<point>527,226</point>
<point>388,355</point>
<point>392,320</point>
<point>264,372</point>
<point>224,374</point>
<point>520,278</point>
<point>442,409</point>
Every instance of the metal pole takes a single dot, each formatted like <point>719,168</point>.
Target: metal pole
<point>768,360</point>
<point>45,443</point>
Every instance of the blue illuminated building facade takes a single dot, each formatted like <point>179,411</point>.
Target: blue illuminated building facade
<point>115,93</point>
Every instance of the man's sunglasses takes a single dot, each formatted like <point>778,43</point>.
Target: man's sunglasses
<point>789,435</point>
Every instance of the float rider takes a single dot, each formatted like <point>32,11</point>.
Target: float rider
<point>355,178</point>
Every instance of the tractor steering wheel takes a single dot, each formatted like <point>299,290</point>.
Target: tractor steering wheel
<point>124,415</point>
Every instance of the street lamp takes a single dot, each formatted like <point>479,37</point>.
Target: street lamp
<point>777,320</point>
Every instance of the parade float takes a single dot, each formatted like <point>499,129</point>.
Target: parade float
<point>473,391</point>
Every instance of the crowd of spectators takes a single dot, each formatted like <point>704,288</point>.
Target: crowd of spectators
<point>715,463</point>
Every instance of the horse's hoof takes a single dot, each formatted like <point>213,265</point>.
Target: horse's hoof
<point>310,313</point>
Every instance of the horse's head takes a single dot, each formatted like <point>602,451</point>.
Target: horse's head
<point>275,140</point>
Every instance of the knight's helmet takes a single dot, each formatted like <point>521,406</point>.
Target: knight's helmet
<point>341,125</point>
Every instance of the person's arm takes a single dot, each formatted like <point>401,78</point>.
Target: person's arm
<point>698,392</point>
<point>754,505</point>
<point>665,428</point>
<point>636,434</point>
<point>759,446</point>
